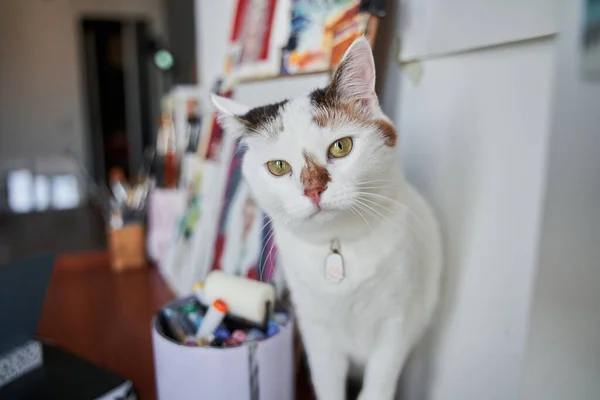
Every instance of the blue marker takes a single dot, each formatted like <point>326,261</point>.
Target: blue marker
<point>272,329</point>
<point>222,333</point>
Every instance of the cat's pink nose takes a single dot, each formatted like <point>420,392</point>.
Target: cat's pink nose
<point>314,194</point>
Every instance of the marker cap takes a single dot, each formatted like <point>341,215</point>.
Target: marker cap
<point>220,305</point>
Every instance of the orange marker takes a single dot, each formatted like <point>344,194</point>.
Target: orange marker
<point>213,318</point>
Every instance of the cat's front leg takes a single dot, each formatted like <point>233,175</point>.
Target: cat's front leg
<point>384,364</point>
<point>328,364</point>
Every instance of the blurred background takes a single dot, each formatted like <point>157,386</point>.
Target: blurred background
<point>497,105</point>
<point>82,83</point>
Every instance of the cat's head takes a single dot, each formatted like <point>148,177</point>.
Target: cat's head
<point>324,157</point>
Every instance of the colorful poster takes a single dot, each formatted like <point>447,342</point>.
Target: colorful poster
<point>244,243</point>
<point>321,31</point>
<point>260,27</point>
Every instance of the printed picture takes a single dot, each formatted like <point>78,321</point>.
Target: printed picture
<point>232,233</point>
<point>244,244</point>
<point>321,31</point>
<point>242,239</point>
<point>254,49</point>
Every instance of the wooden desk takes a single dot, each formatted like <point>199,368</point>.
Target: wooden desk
<point>105,317</point>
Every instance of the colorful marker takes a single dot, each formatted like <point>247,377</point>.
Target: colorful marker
<point>174,326</point>
<point>272,329</point>
<point>222,333</point>
<point>191,311</point>
<point>203,342</point>
<point>239,336</point>
<point>189,328</point>
<point>213,318</point>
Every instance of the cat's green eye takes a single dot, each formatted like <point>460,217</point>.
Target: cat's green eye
<point>279,167</point>
<point>340,148</point>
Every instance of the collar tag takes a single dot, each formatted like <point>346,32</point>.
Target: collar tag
<point>334,264</point>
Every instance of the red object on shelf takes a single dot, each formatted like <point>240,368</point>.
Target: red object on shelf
<point>171,167</point>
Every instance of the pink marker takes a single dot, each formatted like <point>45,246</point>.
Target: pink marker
<point>239,336</point>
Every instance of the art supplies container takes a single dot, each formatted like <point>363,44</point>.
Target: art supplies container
<point>127,246</point>
<point>254,370</point>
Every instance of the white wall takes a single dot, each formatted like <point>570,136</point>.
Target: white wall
<point>440,27</point>
<point>563,357</point>
<point>473,136</point>
<point>41,100</point>
<point>261,92</point>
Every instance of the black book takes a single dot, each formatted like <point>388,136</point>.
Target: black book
<point>62,375</point>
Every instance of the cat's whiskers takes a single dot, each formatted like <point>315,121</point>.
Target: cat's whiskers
<point>400,219</point>
<point>396,202</point>
<point>357,211</point>
<point>390,211</point>
<point>269,255</point>
<point>377,181</point>
<point>387,198</point>
<point>271,218</point>
<point>383,220</point>
<point>269,236</point>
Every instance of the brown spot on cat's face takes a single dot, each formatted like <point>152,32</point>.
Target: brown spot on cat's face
<point>330,109</point>
<point>346,112</point>
<point>313,174</point>
<point>388,132</point>
<point>329,104</point>
<point>340,112</point>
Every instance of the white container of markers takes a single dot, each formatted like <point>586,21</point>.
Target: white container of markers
<point>254,370</point>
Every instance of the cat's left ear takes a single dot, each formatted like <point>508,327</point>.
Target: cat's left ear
<point>354,78</point>
<point>229,113</point>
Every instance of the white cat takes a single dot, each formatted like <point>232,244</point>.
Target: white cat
<point>323,166</point>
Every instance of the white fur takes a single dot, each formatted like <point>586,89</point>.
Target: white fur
<point>389,240</point>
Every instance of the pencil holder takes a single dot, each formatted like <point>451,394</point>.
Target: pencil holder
<point>255,370</point>
<point>127,246</point>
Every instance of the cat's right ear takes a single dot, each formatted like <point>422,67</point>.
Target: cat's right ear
<point>229,114</point>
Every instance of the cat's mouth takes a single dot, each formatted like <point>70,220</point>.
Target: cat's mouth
<point>316,212</point>
<point>320,210</point>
